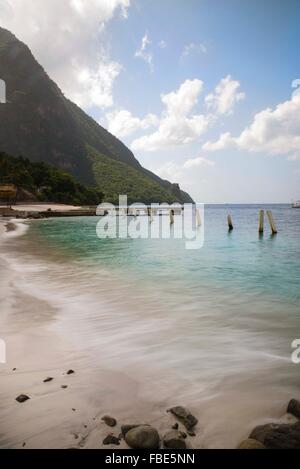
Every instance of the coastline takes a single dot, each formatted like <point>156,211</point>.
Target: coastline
<point>39,346</point>
<point>57,417</point>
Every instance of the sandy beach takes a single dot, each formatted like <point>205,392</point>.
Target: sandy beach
<point>65,412</point>
<point>38,207</point>
<point>129,352</point>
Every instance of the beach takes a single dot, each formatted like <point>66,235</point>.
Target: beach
<point>57,416</point>
<point>134,352</point>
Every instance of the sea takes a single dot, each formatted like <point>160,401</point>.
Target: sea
<point>212,328</point>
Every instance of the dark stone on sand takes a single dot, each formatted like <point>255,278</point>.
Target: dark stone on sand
<point>126,428</point>
<point>142,437</point>
<point>185,416</point>
<point>47,380</point>
<point>74,410</point>
<point>14,369</point>
<point>251,444</point>
<point>175,426</point>
<point>64,386</point>
<point>70,372</point>
<point>174,440</point>
<point>111,440</point>
<point>278,436</point>
<point>294,408</point>
<point>22,398</point>
<point>110,421</point>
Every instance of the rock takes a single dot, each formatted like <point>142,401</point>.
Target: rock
<point>251,444</point>
<point>14,369</point>
<point>278,436</point>
<point>191,433</point>
<point>259,433</point>
<point>294,408</point>
<point>74,410</point>
<point>22,398</point>
<point>111,440</point>
<point>126,428</point>
<point>174,440</point>
<point>175,426</point>
<point>110,421</point>
<point>185,416</point>
<point>64,386</point>
<point>47,380</point>
<point>142,437</point>
<point>70,372</point>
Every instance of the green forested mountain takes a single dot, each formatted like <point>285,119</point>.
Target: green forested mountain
<point>39,123</point>
<point>45,182</point>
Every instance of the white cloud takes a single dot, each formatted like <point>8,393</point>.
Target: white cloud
<point>196,162</point>
<point>64,37</point>
<point>177,126</point>
<point>162,44</point>
<point>122,123</point>
<point>275,132</point>
<point>193,48</point>
<point>96,89</point>
<point>144,54</point>
<point>188,173</point>
<point>224,98</point>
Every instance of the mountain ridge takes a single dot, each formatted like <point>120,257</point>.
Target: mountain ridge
<point>40,123</point>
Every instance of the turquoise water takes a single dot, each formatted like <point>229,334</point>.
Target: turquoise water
<point>240,260</point>
<point>209,328</point>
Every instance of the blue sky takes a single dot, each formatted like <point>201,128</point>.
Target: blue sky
<point>169,77</point>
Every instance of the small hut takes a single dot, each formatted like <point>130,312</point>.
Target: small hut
<point>8,193</point>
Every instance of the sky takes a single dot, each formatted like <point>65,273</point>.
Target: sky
<point>206,93</point>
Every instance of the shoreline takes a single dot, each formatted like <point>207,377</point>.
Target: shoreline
<point>55,416</point>
<point>70,417</point>
<point>46,210</point>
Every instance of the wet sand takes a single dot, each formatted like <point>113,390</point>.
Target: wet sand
<point>119,370</point>
<point>56,417</point>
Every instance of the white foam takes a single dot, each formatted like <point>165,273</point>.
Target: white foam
<point>20,230</point>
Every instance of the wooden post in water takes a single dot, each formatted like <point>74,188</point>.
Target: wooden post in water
<point>198,217</point>
<point>172,217</point>
<point>271,222</point>
<point>230,224</point>
<point>261,221</point>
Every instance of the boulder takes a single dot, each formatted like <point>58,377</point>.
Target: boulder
<point>278,436</point>
<point>251,444</point>
<point>185,416</point>
<point>125,429</point>
<point>110,421</point>
<point>174,440</point>
<point>22,398</point>
<point>142,437</point>
<point>294,408</point>
<point>111,440</point>
<point>48,380</point>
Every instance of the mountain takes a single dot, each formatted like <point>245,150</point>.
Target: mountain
<point>45,183</point>
<point>41,124</point>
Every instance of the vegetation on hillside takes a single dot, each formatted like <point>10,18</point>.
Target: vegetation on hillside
<point>45,182</point>
<point>117,178</point>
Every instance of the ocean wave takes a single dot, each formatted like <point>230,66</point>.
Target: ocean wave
<point>15,228</point>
